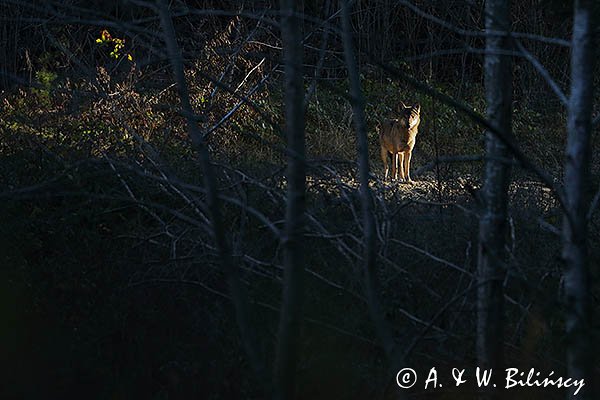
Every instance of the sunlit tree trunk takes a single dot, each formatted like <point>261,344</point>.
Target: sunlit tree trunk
<point>493,220</point>
<point>577,171</point>
<point>289,323</point>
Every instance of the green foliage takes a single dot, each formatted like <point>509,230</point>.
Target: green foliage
<point>114,44</point>
<point>46,80</point>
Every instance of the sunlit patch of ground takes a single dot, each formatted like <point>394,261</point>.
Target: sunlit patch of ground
<point>463,190</point>
<point>425,187</point>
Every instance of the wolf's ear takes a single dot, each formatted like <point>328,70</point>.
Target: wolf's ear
<point>417,107</point>
<point>402,106</point>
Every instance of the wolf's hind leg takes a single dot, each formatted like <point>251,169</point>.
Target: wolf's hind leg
<point>384,158</point>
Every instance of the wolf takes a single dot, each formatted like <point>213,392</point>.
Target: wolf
<point>397,138</point>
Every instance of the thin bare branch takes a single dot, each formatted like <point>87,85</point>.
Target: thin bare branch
<point>237,290</point>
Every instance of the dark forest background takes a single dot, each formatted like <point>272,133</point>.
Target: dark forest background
<point>111,280</point>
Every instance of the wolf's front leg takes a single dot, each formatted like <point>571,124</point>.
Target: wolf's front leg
<point>407,158</point>
<point>401,166</point>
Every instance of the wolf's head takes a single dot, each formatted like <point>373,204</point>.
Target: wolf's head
<point>411,115</point>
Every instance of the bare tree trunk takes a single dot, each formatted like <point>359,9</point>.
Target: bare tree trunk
<point>289,323</point>
<point>382,328</point>
<point>236,288</point>
<point>577,172</point>
<point>493,221</point>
